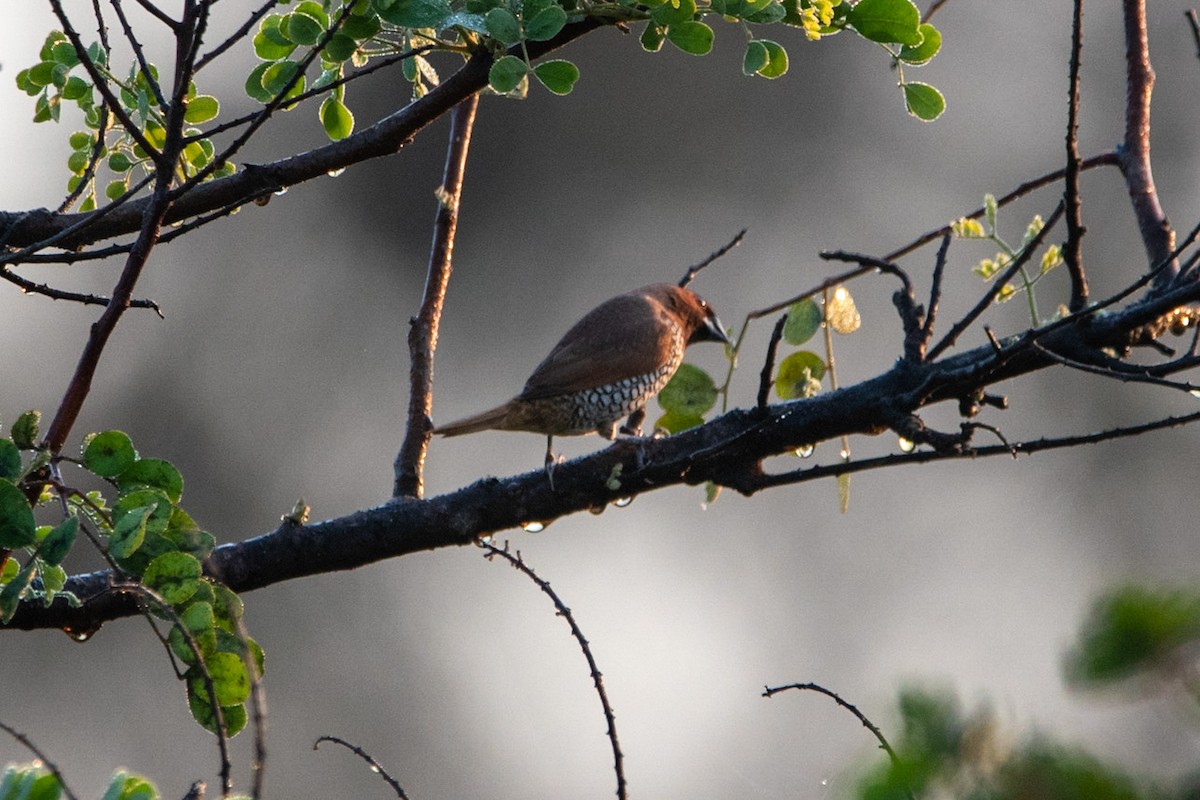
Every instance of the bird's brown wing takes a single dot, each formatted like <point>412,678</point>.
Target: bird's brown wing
<point>627,336</point>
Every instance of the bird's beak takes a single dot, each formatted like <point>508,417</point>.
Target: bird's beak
<point>714,331</point>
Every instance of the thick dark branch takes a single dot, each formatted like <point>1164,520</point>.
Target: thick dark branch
<point>423,333</point>
<point>1157,235</point>
<point>728,450</point>
<point>381,139</point>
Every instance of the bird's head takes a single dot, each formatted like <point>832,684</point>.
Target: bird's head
<point>694,313</point>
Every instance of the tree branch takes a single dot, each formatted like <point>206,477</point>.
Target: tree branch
<point>381,139</point>
<point>728,451</point>
<point>1134,153</point>
<point>1073,251</point>
<point>423,333</point>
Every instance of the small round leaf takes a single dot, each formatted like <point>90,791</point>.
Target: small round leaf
<point>506,74</point>
<point>174,575</point>
<point>17,528</point>
<point>799,375</point>
<point>10,460</point>
<point>545,24</point>
<point>558,76</point>
<point>803,321</point>
<point>923,101</point>
<point>201,108</point>
<point>109,454</point>
<point>690,391</point>
<point>691,37</point>
<point>503,26</point>
<point>337,120</point>
<point>841,312</point>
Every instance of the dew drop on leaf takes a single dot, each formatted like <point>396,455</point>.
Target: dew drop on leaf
<point>805,450</point>
<point>906,445</point>
<point>622,502</point>
<point>533,527</point>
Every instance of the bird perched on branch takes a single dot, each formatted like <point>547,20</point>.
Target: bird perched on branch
<point>605,368</point>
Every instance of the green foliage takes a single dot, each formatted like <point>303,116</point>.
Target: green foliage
<point>61,77</point>
<point>686,398</point>
<point>1135,631</point>
<point>944,751</point>
<point>147,537</point>
<point>36,782</point>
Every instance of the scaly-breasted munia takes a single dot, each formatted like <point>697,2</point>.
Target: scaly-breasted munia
<point>605,368</point>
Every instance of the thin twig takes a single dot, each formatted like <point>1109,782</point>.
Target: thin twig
<point>1104,159</point>
<point>31,287</point>
<point>237,36</point>
<point>519,565</point>
<point>1194,21</point>
<point>1127,373</point>
<point>998,283</point>
<point>365,756</point>
<point>28,744</point>
<point>423,331</point>
<point>933,9</point>
<point>1073,249</point>
<point>935,291</point>
<point>872,727</point>
<point>764,377</point>
<point>140,55</point>
<point>695,270</point>
<point>803,475</point>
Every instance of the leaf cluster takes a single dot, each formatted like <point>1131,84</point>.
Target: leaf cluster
<point>146,536</point>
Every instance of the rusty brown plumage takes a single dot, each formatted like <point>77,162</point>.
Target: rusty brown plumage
<point>606,367</point>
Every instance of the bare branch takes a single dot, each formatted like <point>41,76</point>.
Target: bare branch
<point>365,756</point>
<point>764,377</point>
<point>423,330</point>
<point>874,729</point>
<point>693,271</point>
<point>1157,235</point>
<point>597,679</point>
<point>28,744</point>
<point>1073,250</point>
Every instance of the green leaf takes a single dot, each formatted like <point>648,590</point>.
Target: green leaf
<point>558,76</point>
<point>10,595</point>
<point>931,43</point>
<point>268,48</point>
<point>466,21</point>
<point>503,26</point>
<point>337,120</point>
<point>1133,629</point>
<point>546,24</point>
<point>652,38</point>
<point>155,473</point>
<point>109,454</point>
<point>923,101</point>
<point>506,74</point>
<point>41,74</point>
<point>254,83</point>
<point>777,60</point>
<point>25,430</point>
<point>674,12</point>
<point>755,58</point>
<point>675,421</point>
<point>64,53</point>
<point>301,28</point>
<point>115,189</point>
<point>202,712</point>
<point>803,321</point>
<point>77,162</point>
<point>340,48</point>
<point>174,575</point>
<point>10,460</point>
<point>799,375</point>
<point>277,76</point>
<point>127,786</point>
<point>887,21</point>
<point>360,27</point>
<point>691,37</point>
<point>17,528</point>
<point>57,544</point>
<point>314,10</point>
<point>201,108</point>
<point>75,88</point>
<point>231,679</point>
<point>119,162</point>
<point>129,533</point>
<point>413,13</point>
<point>690,391</point>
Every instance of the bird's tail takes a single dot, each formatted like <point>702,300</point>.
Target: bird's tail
<point>488,420</point>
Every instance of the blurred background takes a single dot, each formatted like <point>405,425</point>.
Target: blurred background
<point>280,372</point>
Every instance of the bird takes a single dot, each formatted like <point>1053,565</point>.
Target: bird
<point>605,368</point>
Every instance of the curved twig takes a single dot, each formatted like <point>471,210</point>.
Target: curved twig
<point>597,679</point>
<point>367,757</point>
